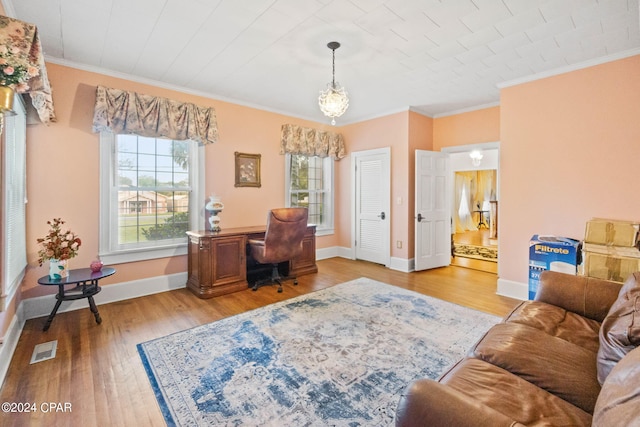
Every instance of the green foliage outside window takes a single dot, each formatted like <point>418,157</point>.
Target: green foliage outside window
<point>174,227</point>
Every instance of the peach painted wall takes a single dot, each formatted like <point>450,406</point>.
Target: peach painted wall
<point>403,132</point>
<point>472,127</point>
<point>570,146</point>
<point>63,166</point>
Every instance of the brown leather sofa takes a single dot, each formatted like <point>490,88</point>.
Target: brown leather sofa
<point>569,358</point>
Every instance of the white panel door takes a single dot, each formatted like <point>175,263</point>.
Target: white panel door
<point>433,205</point>
<point>372,195</point>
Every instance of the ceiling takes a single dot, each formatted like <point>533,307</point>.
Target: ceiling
<point>432,56</point>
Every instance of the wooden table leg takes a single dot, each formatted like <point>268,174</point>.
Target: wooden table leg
<point>52,315</point>
<point>94,310</point>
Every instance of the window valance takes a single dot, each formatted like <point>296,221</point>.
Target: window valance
<point>120,111</point>
<point>311,142</point>
<point>21,52</point>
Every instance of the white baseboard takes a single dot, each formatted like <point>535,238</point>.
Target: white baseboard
<point>326,253</point>
<point>402,264</point>
<point>42,306</point>
<point>509,288</point>
<point>10,342</point>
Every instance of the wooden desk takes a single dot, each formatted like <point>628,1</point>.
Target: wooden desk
<point>217,261</point>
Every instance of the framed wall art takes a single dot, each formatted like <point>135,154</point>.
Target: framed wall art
<point>247,170</point>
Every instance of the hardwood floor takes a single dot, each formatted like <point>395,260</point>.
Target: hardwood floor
<point>98,371</point>
<point>479,238</point>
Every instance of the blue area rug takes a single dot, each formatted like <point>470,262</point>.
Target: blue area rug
<point>340,356</point>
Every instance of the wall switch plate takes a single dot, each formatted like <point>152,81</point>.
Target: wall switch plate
<point>399,244</point>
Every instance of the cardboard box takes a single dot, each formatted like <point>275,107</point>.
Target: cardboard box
<point>610,267</point>
<point>617,251</point>
<point>612,232</point>
<point>551,253</point>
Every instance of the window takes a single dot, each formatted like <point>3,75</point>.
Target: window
<point>309,184</point>
<point>150,196</point>
<point>13,178</point>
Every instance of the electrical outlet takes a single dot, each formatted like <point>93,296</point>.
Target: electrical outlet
<point>399,244</point>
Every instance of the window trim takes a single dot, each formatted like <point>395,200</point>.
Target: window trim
<point>328,171</point>
<point>108,222</point>
<point>14,257</point>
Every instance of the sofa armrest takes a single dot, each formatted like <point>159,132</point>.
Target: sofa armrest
<point>585,296</point>
<point>429,403</point>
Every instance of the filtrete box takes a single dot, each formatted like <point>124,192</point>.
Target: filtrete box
<point>553,253</point>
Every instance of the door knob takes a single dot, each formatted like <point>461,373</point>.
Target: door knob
<point>382,215</point>
<point>420,217</point>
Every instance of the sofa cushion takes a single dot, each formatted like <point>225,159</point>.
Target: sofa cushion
<point>620,331</point>
<point>511,395</point>
<point>619,399</point>
<point>551,363</point>
<point>558,322</point>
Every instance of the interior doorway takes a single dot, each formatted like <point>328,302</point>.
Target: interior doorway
<point>474,211</point>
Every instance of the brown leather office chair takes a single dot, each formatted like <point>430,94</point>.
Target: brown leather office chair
<point>282,242</point>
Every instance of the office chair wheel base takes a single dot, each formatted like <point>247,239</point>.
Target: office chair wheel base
<point>280,290</point>
<point>295,282</point>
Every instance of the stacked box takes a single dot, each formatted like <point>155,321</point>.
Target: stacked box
<point>612,232</point>
<point>551,253</point>
<point>611,250</point>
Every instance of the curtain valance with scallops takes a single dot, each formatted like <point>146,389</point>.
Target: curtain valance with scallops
<point>23,67</point>
<point>121,111</point>
<point>311,142</point>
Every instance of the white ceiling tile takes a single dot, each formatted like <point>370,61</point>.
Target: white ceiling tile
<point>579,33</point>
<point>543,66</point>
<point>445,65</point>
<point>418,62</point>
<point>536,49</point>
<point>501,58</point>
<point>480,37</point>
<point>451,31</point>
<point>366,5</point>
<point>522,66</point>
<point>521,22</point>
<point>413,28</point>
<point>558,9</point>
<point>447,50</point>
<point>297,9</point>
<point>474,55</point>
<point>470,68</point>
<point>583,55</point>
<point>445,13</point>
<point>378,20</point>
<point>517,7</point>
<point>489,14</point>
<point>415,46</point>
<point>128,19</point>
<point>556,26</point>
<point>340,12</point>
<point>509,43</point>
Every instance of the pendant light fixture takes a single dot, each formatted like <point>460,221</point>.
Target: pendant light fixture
<point>333,101</point>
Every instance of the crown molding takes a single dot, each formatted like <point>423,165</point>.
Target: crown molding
<point>570,68</point>
<point>468,110</point>
<point>177,88</point>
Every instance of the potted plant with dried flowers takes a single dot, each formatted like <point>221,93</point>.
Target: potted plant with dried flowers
<point>58,247</point>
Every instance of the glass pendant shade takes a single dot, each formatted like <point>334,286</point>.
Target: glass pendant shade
<point>333,101</point>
